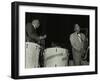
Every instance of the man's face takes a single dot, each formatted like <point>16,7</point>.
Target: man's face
<point>77,28</point>
<point>36,23</point>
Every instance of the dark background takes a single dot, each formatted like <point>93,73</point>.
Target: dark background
<point>58,27</point>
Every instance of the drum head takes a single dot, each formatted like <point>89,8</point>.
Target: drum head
<point>33,44</point>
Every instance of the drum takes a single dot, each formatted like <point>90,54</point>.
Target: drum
<point>32,55</point>
<point>56,56</point>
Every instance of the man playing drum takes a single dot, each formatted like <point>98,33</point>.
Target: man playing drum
<point>32,41</point>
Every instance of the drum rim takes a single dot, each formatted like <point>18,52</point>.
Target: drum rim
<point>56,47</point>
<point>35,44</point>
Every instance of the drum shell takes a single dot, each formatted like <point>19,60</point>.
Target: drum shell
<point>32,55</point>
<point>56,56</point>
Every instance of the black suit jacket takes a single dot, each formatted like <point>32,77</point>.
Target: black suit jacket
<point>31,34</point>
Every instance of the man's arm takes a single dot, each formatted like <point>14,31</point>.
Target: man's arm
<point>83,37</point>
<point>32,34</point>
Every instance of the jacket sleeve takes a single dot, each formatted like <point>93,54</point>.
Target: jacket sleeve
<point>83,37</point>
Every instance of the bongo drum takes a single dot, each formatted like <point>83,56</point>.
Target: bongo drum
<point>55,56</point>
<point>32,55</point>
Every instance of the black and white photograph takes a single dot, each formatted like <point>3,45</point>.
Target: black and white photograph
<point>51,40</point>
<point>54,40</point>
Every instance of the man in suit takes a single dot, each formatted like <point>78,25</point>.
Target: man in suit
<point>77,41</point>
<point>32,51</point>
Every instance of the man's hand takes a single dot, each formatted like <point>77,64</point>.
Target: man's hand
<point>43,37</point>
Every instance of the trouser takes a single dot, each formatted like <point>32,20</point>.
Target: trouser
<point>76,56</point>
<point>41,58</point>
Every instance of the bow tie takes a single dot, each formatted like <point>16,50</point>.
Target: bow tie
<point>78,33</point>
